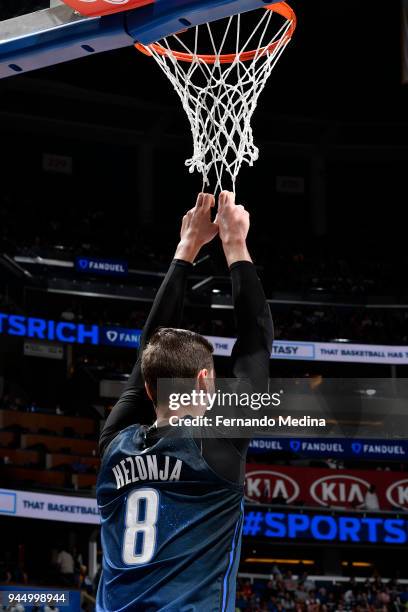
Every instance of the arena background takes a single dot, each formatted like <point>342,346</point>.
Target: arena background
<point>92,168</point>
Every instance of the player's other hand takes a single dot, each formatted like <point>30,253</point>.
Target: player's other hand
<point>232,219</point>
<point>197,228</point>
<point>233,222</point>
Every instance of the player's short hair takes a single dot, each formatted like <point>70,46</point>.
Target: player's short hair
<point>175,353</point>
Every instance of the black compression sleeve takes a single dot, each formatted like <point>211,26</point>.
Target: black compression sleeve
<point>250,360</point>
<point>252,350</point>
<point>133,405</point>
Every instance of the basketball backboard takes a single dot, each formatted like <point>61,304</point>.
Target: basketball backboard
<point>62,30</point>
<point>53,34</point>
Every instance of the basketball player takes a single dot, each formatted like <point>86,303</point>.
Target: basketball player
<point>172,506</point>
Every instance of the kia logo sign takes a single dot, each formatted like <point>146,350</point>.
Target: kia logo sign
<point>261,484</point>
<point>397,494</point>
<point>339,490</point>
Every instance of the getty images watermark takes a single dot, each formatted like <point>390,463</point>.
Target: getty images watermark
<point>204,400</point>
<point>208,399</point>
<point>232,408</point>
<point>310,407</point>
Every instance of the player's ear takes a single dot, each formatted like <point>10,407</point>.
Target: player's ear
<point>201,379</point>
<point>149,393</point>
<point>205,380</point>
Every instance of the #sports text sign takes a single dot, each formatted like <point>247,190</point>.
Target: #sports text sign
<point>325,487</point>
<point>98,8</point>
<point>322,528</point>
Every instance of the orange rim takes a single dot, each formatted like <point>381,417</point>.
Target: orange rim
<point>282,8</point>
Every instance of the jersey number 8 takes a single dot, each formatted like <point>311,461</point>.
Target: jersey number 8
<point>135,525</point>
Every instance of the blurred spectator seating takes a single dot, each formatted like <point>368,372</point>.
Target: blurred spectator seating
<point>7,438</point>
<point>56,460</point>
<point>19,457</point>
<point>59,444</point>
<point>84,481</point>
<point>36,422</point>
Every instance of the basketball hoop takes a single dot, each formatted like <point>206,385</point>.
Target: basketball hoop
<point>220,90</point>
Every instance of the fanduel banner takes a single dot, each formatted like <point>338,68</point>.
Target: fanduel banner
<point>50,507</point>
<point>107,267</point>
<point>323,528</point>
<point>325,487</point>
<point>334,447</point>
<point>120,336</point>
<point>63,331</point>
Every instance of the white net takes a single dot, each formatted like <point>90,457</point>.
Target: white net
<point>219,92</point>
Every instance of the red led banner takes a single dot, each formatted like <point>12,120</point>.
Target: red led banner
<point>326,487</point>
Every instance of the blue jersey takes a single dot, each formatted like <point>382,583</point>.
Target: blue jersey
<point>171,527</point>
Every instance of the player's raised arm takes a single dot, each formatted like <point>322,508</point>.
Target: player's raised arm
<point>252,350</point>
<point>197,229</point>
